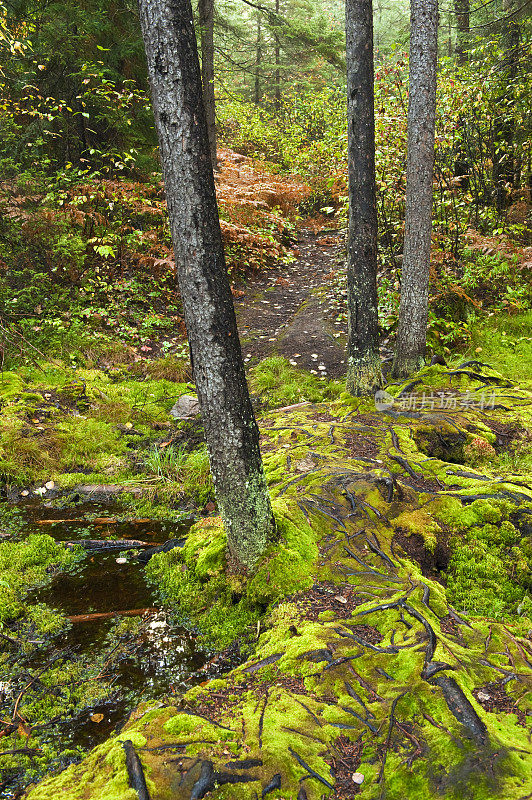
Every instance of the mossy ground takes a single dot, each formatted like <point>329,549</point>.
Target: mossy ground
<point>396,662</point>
<point>505,341</point>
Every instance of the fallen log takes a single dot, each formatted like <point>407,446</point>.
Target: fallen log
<point>96,521</point>
<point>132,612</point>
<point>115,544</point>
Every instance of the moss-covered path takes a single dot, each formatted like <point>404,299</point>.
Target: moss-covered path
<point>367,675</point>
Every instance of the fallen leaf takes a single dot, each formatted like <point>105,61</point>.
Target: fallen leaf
<point>96,717</point>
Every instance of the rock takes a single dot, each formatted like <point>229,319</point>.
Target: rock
<point>186,407</point>
<point>305,464</point>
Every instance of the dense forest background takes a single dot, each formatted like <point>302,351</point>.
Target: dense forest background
<point>396,538</point>
<point>81,190</point>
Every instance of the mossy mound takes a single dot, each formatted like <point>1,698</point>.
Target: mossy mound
<point>364,678</point>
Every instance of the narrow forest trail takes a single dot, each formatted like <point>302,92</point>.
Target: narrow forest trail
<point>287,310</point>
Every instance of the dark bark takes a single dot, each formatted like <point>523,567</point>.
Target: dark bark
<point>277,62</point>
<point>206,21</point>
<point>363,372</point>
<point>413,312</point>
<point>505,171</point>
<point>230,429</point>
<point>461,10</point>
<point>257,96</point>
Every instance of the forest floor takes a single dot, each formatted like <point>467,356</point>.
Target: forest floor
<point>287,310</point>
<point>88,418</point>
<point>394,658</point>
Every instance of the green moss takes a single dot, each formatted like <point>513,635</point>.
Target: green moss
<point>88,441</point>
<point>182,725</point>
<point>194,580</point>
<point>11,386</point>
<point>26,565</point>
<point>279,384</point>
<point>360,674</point>
<point>504,342</point>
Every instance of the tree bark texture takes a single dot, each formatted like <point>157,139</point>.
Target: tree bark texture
<point>462,9</point>
<point>206,21</point>
<point>363,371</point>
<point>277,62</point>
<point>231,432</point>
<point>257,96</point>
<point>505,168</point>
<point>413,311</point>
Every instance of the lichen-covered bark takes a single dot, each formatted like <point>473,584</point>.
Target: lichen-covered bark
<point>230,428</point>
<point>413,311</point>
<point>363,361</point>
<point>367,667</point>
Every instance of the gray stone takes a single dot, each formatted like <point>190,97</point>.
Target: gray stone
<point>186,407</point>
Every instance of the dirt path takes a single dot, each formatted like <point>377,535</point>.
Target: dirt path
<point>286,311</point>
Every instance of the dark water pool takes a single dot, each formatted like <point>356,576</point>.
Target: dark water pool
<point>163,657</point>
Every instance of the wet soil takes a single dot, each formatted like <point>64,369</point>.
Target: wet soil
<point>433,563</point>
<point>286,310</point>
<point>494,697</point>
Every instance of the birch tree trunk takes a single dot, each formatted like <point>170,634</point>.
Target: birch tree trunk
<point>364,369</point>
<point>230,428</point>
<point>413,311</point>
<point>206,21</point>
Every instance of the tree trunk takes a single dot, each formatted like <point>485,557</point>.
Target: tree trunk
<point>206,21</point>
<point>505,172</point>
<point>258,63</point>
<point>364,369</point>
<point>413,311</point>
<point>277,62</point>
<point>461,10</point>
<point>230,428</point>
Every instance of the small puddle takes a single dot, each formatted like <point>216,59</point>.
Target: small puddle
<point>164,657</point>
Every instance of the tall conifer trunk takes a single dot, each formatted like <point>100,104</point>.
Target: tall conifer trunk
<point>277,62</point>
<point>257,92</point>
<point>206,21</point>
<point>230,429</point>
<point>363,371</point>
<point>413,312</point>
<point>462,9</point>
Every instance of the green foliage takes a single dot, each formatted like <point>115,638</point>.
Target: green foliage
<point>505,341</point>
<point>186,473</point>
